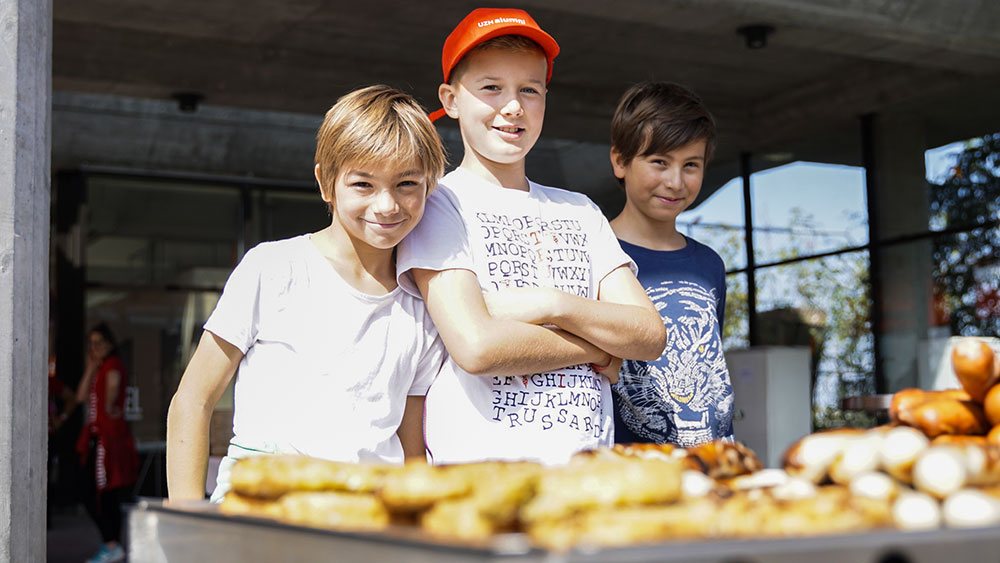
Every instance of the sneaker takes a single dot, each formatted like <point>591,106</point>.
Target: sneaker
<point>108,555</point>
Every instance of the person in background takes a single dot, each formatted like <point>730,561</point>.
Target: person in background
<point>331,358</point>
<point>662,135</point>
<point>105,444</point>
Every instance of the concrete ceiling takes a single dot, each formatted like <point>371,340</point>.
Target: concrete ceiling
<point>827,62</point>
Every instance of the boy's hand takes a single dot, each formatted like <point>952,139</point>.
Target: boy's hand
<point>531,305</point>
<point>611,370</point>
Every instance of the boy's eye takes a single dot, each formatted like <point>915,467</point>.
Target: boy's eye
<point>529,90</point>
<point>409,183</point>
<point>491,87</point>
<point>693,165</point>
<point>361,184</point>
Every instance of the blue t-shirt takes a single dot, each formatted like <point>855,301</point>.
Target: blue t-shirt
<point>685,397</point>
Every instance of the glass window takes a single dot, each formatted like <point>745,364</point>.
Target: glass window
<point>735,329</point>
<point>718,223</point>
<point>153,232</point>
<point>806,208</point>
<point>823,304</point>
<point>966,282</point>
<point>964,183</point>
<point>283,214</point>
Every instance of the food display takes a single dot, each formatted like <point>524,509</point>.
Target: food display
<point>939,459</point>
<point>935,466</point>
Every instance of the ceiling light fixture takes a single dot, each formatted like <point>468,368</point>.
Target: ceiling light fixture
<point>756,35</point>
<point>187,101</point>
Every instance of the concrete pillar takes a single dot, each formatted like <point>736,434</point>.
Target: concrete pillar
<point>906,268</point>
<point>25,93</point>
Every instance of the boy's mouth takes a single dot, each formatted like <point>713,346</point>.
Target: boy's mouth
<point>385,224</point>
<point>510,130</point>
<point>670,200</point>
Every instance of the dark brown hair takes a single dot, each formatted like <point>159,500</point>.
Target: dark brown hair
<point>658,117</point>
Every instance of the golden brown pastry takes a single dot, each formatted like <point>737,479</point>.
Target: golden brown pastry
<point>901,446</point>
<point>647,450</point>
<point>333,509</point>
<point>991,404</point>
<point>236,504</point>
<point>973,362</point>
<point>596,483</point>
<point>418,486</point>
<point>950,417</point>
<point>811,456</point>
<point>904,401</point>
<point>994,436</point>
<point>270,476</point>
<point>958,440</point>
<point>459,519</point>
<point>721,459</point>
<point>631,525</point>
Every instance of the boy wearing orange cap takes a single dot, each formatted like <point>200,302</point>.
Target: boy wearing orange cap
<point>527,284</point>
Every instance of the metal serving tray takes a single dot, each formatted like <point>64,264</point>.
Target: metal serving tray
<point>198,532</point>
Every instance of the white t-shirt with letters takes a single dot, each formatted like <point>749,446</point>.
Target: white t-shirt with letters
<point>544,237</point>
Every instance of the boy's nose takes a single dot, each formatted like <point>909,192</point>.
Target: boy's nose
<point>513,108</point>
<point>385,203</point>
<point>671,176</point>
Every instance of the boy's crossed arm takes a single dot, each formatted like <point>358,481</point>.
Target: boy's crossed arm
<point>622,321</point>
<point>500,334</point>
<point>483,344</point>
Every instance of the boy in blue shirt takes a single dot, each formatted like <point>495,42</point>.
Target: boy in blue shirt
<point>661,137</point>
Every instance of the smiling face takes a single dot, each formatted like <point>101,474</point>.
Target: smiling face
<point>660,186</point>
<point>499,100</point>
<point>377,205</point>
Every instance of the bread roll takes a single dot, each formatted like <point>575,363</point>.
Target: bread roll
<point>811,457</point>
<point>973,362</point>
<point>991,404</point>
<point>971,508</point>
<point>958,440</point>
<point>994,436</point>
<point>916,511</point>
<point>905,400</point>
<point>950,417</point>
<point>900,449</point>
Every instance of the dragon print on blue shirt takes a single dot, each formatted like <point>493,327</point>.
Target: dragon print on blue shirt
<point>685,397</point>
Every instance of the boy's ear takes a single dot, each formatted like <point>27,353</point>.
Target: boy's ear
<point>446,94</point>
<point>617,163</point>
<point>322,189</point>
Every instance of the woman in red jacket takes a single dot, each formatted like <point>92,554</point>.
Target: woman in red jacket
<point>105,445</point>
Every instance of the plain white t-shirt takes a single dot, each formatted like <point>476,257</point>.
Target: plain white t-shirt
<point>326,369</point>
<point>544,237</point>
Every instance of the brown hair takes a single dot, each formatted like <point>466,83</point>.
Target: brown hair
<point>658,117</point>
<point>508,43</point>
<point>377,124</point>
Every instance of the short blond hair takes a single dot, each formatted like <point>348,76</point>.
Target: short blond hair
<point>377,125</point>
<point>508,43</point>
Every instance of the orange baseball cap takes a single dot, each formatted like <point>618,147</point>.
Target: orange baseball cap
<point>483,24</point>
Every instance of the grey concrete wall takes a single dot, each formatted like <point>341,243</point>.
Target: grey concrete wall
<point>25,89</point>
<point>143,134</point>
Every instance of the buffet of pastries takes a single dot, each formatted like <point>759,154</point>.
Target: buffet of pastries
<point>937,464</point>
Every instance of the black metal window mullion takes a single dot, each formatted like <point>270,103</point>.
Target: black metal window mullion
<point>751,269</point>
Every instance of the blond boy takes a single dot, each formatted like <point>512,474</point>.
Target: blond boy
<point>331,358</point>
<point>526,283</point>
